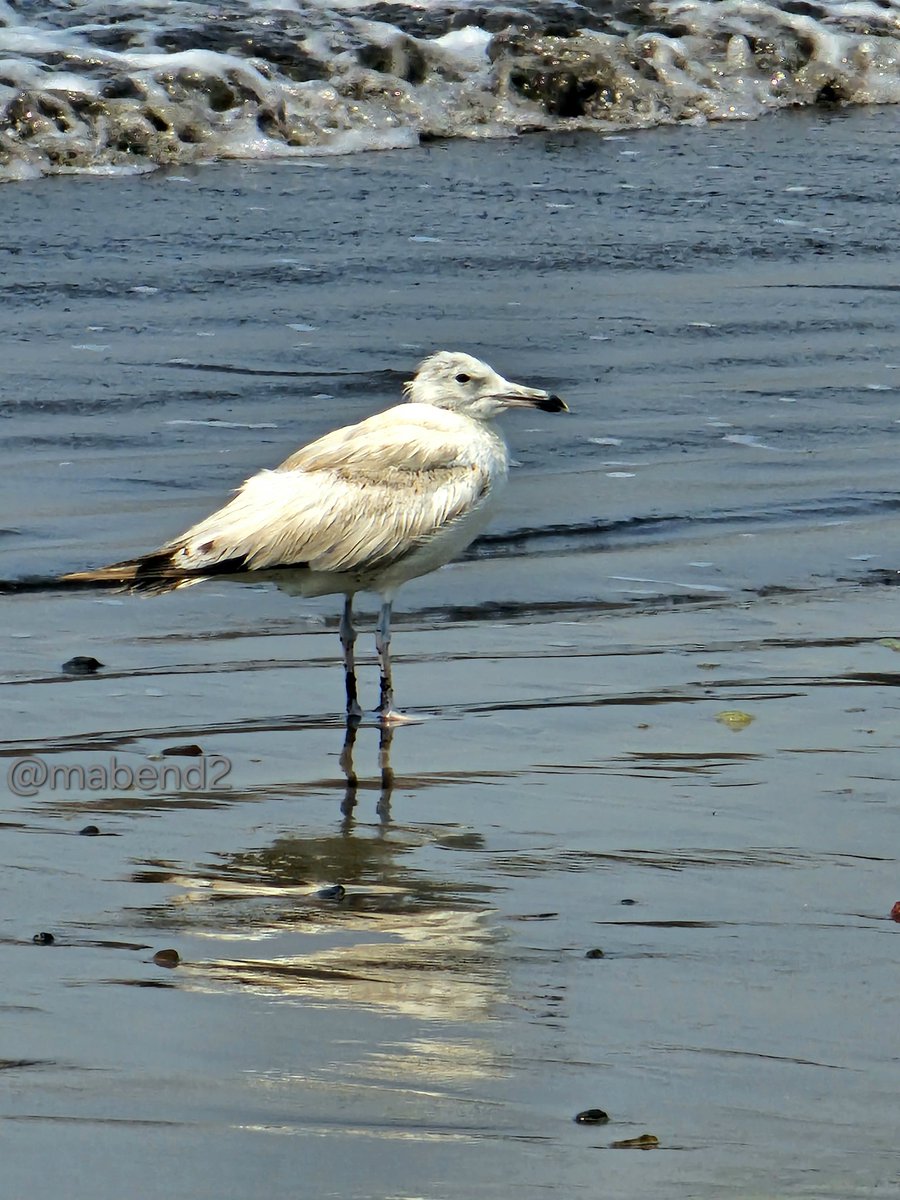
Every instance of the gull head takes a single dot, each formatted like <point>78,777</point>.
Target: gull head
<point>467,385</point>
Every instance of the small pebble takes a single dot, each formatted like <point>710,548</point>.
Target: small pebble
<point>735,719</point>
<point>895,912</point>
<point>628,901</point>
<point>337,891</point>
<point>592,1116</point>
<point>188,750</point>
<point>595,953</point>
<point>646,1141</point>
<point>167,958</point>
<point>89,831</point>
<point>82,664</point>
<point>43,939</point>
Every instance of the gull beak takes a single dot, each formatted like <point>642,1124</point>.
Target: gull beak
<point>513,395</point>
<point>552,404</point>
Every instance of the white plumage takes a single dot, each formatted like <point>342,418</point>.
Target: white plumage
<point>361,509</point>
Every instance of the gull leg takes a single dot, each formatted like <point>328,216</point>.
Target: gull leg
<point>348,642</point>
<point>383,646</point>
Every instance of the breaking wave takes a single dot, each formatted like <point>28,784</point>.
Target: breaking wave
<point>127,85</point>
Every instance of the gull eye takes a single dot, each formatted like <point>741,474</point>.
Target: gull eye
<point>463,378</point>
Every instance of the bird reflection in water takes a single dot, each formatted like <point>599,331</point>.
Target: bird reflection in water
<point>385,741</point>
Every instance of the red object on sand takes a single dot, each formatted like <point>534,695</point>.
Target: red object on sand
<point>895,912</point>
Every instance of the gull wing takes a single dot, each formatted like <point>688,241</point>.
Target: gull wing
<point>357,499</point>
<point>408,437</point>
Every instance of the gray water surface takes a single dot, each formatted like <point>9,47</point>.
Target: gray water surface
<point>711,531</point>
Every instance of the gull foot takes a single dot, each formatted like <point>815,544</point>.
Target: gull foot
<point>392,718</point>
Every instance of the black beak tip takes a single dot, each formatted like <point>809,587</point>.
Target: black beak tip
<point>553,404</point>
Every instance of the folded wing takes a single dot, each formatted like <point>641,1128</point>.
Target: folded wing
<point>354,501</point>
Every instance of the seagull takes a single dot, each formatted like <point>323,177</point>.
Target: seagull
<point>362,509</point>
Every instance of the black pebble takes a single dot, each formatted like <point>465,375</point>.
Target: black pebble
<point>89,831</point>
<point>188,750</point>
<point>337,891</point>
<point>167,958</point>
<point>592,1116</point>
<point>628,901</point>
<point>43,939</point>
<point>595,953</point>
<point>82,664</point>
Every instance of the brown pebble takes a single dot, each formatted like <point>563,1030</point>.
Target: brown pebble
<point>646,1141</point>
<point>895,912</point>
<point>167,958</point>
<point>592,1116</point>
<point>188,750</point>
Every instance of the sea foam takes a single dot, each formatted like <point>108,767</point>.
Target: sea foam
<point>115,85</point>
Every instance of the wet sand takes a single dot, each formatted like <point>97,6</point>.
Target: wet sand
<point>717,306</point>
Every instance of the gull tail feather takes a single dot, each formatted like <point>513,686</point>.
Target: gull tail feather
<point>155,572</point>
<point>114,575</point>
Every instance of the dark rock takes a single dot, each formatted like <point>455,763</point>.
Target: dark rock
<point>26,115</point>
<point>216,91</point>
<point>114,38</point>
<point>403,58</point>
<point>186,750</point>
<point>543,17</point>
<point>284,51</point>
<point>275,122</point>
<point>592,1116</point>
<point>558,90</point>
<point>418,22</point>
<point>803,9</point>
<point>191,135</point>
<point>167,958</point>
<point>781,54</point>
<point>832,94</point>
<point>159,123</point>
<point>82,664</point>
<point>121,87</point>
<point>43,939</point>
<point>76,154</point>
<point>275,40</point>
<point>337,891</point>
<point>89,831</point>
<point>132,138</point>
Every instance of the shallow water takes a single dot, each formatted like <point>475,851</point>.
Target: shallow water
<point>711,531</point>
